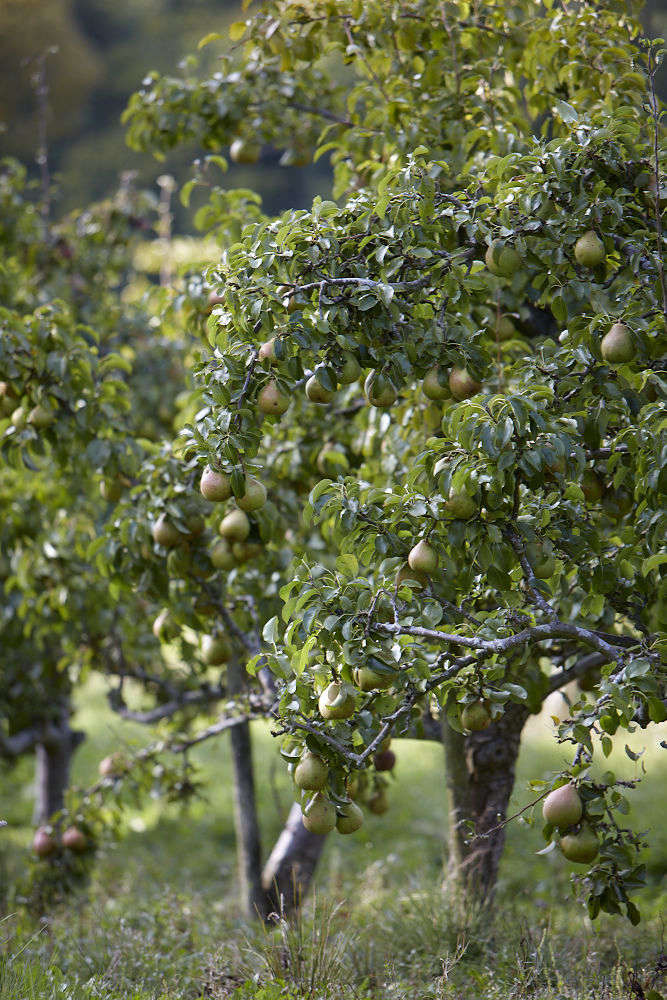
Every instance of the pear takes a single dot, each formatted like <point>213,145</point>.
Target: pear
<point>460,505</point>
<point>161,625</point>
<point>384,760</point>
<point>319,816</point>
<point>379,390</point>
<point>462,385</point>
<point>215,486</point>
<point>504,261</point>
<point>350,370</point>
<point>563,807</point>
<point>368,679</point>
<point>112,766</point>
<point>244,551</point>
<point>165,533</point>
<point>378,803</point>
<point>581,847</point>
<point>215,650</point>
<point>41,417</point>
<point>111,489</point>
<point>337,701</point>
<point>617,346</point>
<point>432,387</point>
<point>287,294</point>
<point>476,716</point>
<point>19,417</point>
<point>244,151</point>
<point>589,250</point>
<point>423,558</point>
<point>222,556</point>
<point>271,400</point>
<point>43,843</point>
<point>235,526</point>
<point>75,840</point>
<point>311,772</point>
<point>316,392</point>
<point>267,352</point>
<point>541,560</point>
<point>350,818</point>
<point>592,486</point>
<point>505,329</point>
<point>412,577</point>
<point>254,496</point>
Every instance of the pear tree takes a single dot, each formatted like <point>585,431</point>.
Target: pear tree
<point>491,165</point>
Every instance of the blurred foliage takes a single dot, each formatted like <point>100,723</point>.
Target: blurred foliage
<point>103,51</point>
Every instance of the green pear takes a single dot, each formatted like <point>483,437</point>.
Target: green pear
<point>475,716</point>
<point>379,390</point>
<point>563,807</point>
<point>423,558</point>
<point>462,385</point>
<point>589,250</point>
<point>337,701</point>
<point>368,679</point>
<point>165,533</point>
<point>581,847</point>
<point>412,577</point>
<point>311,772</point>
<point>215,650</point>
<point>541,560</point>
<point>316,392</point>
<point>433,387</point>
<point>215,486</point>
<point>350,370</point>
<point>350,818</point>
<point>271,400</point>
<point>617,346</point>
<point>254,496</point>
<point>377,803</point>
<point>267,352</point>
<point>243,151</point>
<point>222,556</point>
<point>235,526</point>
<point>460,505</point>
<point>504,261</point>
<point>319,816</point>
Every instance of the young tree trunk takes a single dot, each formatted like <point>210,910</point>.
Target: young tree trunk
<point>52,769</point>
<point>480,771</point>
<point>248,843</point>
<point>289,871</point>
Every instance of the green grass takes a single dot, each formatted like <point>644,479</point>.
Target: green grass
<point>160,918</point>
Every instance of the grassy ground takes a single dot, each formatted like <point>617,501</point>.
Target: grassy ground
<point>160,920</point>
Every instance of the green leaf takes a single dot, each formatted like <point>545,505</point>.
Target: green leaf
<point>237,30</point>
<point>271,630</point>
<point>652,562</point>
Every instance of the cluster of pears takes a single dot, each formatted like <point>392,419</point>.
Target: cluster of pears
<point>320,814</point>
<point>39,417</point>
<point>233,546</point>
<point>439,384</point>
<point>46,843</point>
<point>564,810</point>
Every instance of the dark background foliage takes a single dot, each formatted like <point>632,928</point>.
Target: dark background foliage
<point>103,50</point>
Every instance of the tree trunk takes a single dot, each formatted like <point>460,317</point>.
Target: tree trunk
<point>52,767</point>
<point>248,843</point>
<point>289,870</point>
<point>480,771</point>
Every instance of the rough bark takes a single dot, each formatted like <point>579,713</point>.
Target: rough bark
<point>248,842</point>
<point>289,871</point>
<point>53,758</point>
<point>480,770</point>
